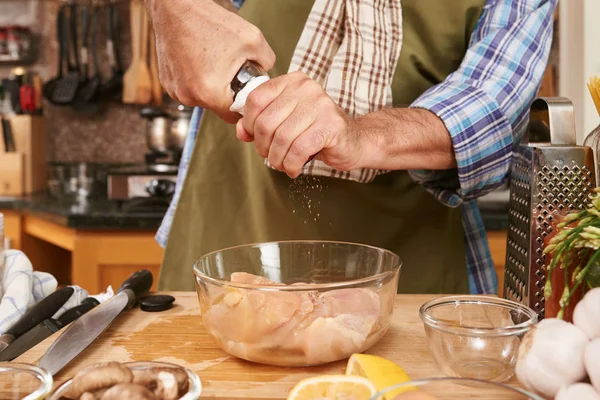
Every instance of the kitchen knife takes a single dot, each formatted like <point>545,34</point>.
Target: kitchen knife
<point>9,142</point>
<point>88,327</point>
<point>45,329</point>
<point>40,311</point>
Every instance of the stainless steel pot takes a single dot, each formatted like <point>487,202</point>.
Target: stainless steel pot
<point>180,127</point>
<point>158,129</point>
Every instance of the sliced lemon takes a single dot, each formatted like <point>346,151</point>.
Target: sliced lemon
<point>380,371</point>
<point>332,387</point>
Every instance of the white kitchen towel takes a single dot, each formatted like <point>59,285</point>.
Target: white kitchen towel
<point>22,287</point>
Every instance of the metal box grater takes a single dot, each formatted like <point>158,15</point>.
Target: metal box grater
<point>550,175</point>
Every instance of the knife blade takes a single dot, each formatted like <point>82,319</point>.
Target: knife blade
<point>45,329</point>
<point>87,328</point>
<point>40,311</point>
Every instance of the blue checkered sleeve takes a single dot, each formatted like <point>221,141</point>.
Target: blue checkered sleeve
<point>487,99</point>
<point>484,105</point>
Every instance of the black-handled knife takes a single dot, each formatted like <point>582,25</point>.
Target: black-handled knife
<point>74,339</point>
<point>9,141</point>
<point>45,329</point>
<point>40,311</point>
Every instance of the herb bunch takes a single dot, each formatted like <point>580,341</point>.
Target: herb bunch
<point>577,243</point>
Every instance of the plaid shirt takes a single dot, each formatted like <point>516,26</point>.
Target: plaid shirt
<point>484,105</point>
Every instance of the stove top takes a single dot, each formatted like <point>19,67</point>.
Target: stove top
<point>146,169</point>
<point>142,181</point>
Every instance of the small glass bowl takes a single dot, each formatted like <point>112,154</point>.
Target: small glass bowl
<point>454,389</point>
<point>24,381</point>
<point>195,385</point>
<point>304,302</point>
<point>476,337</point>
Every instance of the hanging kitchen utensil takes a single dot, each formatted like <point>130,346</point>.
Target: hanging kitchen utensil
<point>48,88</point>
<point>88,327</point>
<point>136,82</point>
<point>157,90</point>
<point>81,96</point>
<point>45,329</point>
<point>40,311</point>
<point>144,82</point>
<point>87,95</point>
<point>66,87</point>
<point>113,87</point>
<point>550,176</point>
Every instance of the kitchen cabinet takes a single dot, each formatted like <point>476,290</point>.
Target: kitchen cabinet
<point>92,259</point>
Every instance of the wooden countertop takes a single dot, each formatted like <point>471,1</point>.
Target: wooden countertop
<point>178,336</point>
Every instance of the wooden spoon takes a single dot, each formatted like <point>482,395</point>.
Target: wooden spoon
<point>130,77</point>
<point>157,90</point>
<point>144,80</point>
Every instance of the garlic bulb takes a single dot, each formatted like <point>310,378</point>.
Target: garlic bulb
<point>591,361</point>
<point>587,313</point>
<point>578,391</point>
<point>551,356</point>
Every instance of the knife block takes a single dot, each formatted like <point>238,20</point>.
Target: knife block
<point>12,181</point>
<point>29,134</point>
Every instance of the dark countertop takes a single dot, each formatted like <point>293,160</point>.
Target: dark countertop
<point>100,214</point>
<point>110,215</point>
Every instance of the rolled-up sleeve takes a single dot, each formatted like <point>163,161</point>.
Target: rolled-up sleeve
<point>485,103</point>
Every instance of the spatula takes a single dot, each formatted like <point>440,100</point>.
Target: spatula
<point>66,87</point>
<point>157,90</point>
<point>137,75</point>
<point>87,93</point>
<point>144,80</point>
<point>112,88</point>
<point>48,88</point>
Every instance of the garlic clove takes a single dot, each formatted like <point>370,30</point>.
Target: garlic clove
<point>587,313</point>
<point>591,360</point>
<point>551,356</point>
<point>579,391</point>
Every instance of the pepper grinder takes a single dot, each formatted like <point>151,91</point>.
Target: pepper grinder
<point>249,77</point>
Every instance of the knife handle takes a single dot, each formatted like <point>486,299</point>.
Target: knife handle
<point>40,311</point>
<point>139,282</point>
<point>76,312</point>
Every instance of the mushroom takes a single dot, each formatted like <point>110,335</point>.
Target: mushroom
<point>96,377</point>
<point>155,379</point>
<point>129,391</point>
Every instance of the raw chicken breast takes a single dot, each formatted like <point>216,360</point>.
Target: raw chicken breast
<point>319,327</point>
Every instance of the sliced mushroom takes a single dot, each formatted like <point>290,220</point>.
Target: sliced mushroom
<point>96,377</point>
<point>129,391</point>
<point>149,378</point>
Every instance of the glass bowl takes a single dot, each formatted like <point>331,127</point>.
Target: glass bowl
<point>297,303</point>
<point>453,389</point>
<point>24,381</point>
<point>476,336</point>
<point>195,385</point>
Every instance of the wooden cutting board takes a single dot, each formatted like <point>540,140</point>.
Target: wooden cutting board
<point>178,336</point>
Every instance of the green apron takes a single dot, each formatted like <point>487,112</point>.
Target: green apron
<point>231,198</point>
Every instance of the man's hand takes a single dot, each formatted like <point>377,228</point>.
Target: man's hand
<point>200,47</point>
<point>291,118</point>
